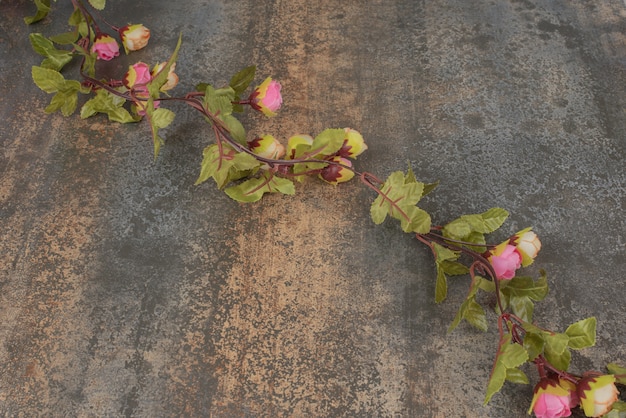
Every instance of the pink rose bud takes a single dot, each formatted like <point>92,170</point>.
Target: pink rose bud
<point>505,259</point>
<point>597,394</point>
<point>106,47</point>
<point>550,400</point>
<point>266,98</point>
<point>335,174</point>
<point>353,144</point>
<point>267,146</point>
<point>172,78</point>
<point>137,76</point>
<point>134,37</point>
<point>293,143</point>
<point>528,244</point>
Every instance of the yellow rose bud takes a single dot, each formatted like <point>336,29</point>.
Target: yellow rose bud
<point>335,174</point>
<point>353,144</point>
<point>172,78</point>
<point>597,394</point>
<point>134,37</point>
<point>267,146</point>
<point>528,245</point>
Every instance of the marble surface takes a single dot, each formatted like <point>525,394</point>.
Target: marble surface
<point>127,291</point>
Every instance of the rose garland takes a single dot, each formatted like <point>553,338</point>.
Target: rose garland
<point>247,169</point>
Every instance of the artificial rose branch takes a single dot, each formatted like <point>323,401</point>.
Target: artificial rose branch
<point>247,168</point>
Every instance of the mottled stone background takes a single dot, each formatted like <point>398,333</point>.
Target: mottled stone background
<point>125,290</point>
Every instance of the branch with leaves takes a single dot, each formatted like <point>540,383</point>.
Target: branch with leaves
<point>247,168</point>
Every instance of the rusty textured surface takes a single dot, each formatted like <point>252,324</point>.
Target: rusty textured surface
<point>127,291</point>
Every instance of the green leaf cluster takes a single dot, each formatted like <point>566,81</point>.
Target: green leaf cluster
<point>109,104</point>
<point>65,91</point>
<point>445,261</point>
<point>554,346</point>
<point>219,102</point>
<point>253,189</point>
<point>472,228</point>
<point>470,309</point>
<point>324,146</point>
<point>520,292</point>
<point>224,164</point>
<point>55,59</point>
<point>398,198</point>
<point>509,358</point>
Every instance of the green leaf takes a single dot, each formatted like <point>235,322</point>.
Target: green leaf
<point>494,218</point>
<point>419,220</point>
<point>516,376</point>
<point>52,81</point>
<point>97,4</point>
<point>397,198</point>
<point>110,104</point>
<point>89,63</point>
<point>556,351</point>
<point>48,80</point>
<point>429,187</point>
<point>533,343</point>
<point>236,129</point>
<point>443,256</point>
<point>509,356</point>
<point>43,8</point>
<point>560,361</point>
<point>328,142</point>
<point>76,18</point>
<point>618,371</point>
<point>457,229</point>
<point>253,189</point>
<point>66,38</point>
<point>519,292</point>
<point>65,100</point>
<point>470,310</point>
<point>441,286</point>
<point>219,101</point>
<point>522,307</point>
<point>55,58</point>
<point>582,334</point>
<point>471,228</point>
<point>226,167</point>
<point>210,163</point>
<point>162,117</point>
<point>240,81</point>
<point>453,268</point>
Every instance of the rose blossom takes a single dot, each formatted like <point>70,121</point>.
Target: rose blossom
<point>505,259</point>
<point>106,47</point>
<point>597,394</point>
<point>266,98</point>
<point>134,37</point>
<point>550,400</point>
